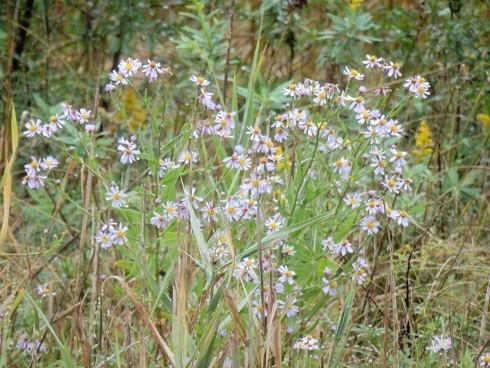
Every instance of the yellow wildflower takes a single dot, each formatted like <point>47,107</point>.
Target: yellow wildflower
<point>423,141</point>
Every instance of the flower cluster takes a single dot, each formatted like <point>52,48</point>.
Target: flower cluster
<point>31,346</point>
<point>112,233</point>
<point>306,343</point>
<point>129,68</point>
<point>440,344</point>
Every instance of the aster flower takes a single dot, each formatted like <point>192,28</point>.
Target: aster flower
<point>49,163</point>
<point>440,343</point>
<point>330,287</point>
<point>104,239</point>
<point>288,308</point>
<point>33,128</point>
<point>209,212</point>
<point>118,235</point>
<point>373,62</point>
<point>370,224</point>
<point>343,248</point>
<point>353,200</point>
<point>352,74</point>
<point>83,115</point>
<point>58,120</point>
<point>117,79</point>
<point>402,219</point>
<point>116,196</point>
<point>188,156</point>
<point>199,81</point>
<point>485,360</point>
<point>44,291</point>
<point>288,250</point>
<point>286,275</point>
<point>291,91</point>
<point>328,244</point>
<point>129,67</point>
<point>128,149</point>
<point>393,70</point>
<point>158,220</point>
<point>151,70</point>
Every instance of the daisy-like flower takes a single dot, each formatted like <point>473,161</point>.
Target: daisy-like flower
<point>382,91</point>
<point>393,70</point>
<point>116,196</point>
<point>291,91</point>
<point>129,67</point>
<point>439,343</point>
<point>308,127</point>
<point>343,248</point>
<point>320,97</point>
<point>206,99</point>
<point>128,149</point>
<point>359,274</point>
<point>199,81</point>
<point>33,167</point>
<point>232,210</point>
<point>254,133</point>
<point>118,78</point>
<point>286,275</point>
<point>48,129</point>
<point>330,287</point>
<point>423,90</point>
<point>23,342</point>
<point>281,134</point>
<point>391,213</point>
<point>209,212</point>
<point>49,163</point>
<point>352,74</point>
<point>167,165</point>
<point>288,250</point>
<point>188,156</point>
<point>392,184</point>
<point>104,239</point>
<point>402,219</point>
<point>353,200</point>
<point>33,128</point>
<point>289,309</point>
<point>404,184</point>
<point>412,84</point>
<point>158,220</point>
<point>328,244</point>
<point>151,70</point>
<point>357,104</point>
<point>244,162</point>
<point>221,252</point>
<point>55,119</point>
<point>170,210</point>
<point>33,181</point>
<point>118,235</point>
<point>485,360</point>
<point>373,62</point>
<point>398,157</point>
<point>83,115</point>
<point>259,309</point>
<point>44,291</point>
<point>379,165</point>
<point>370,224</point>
<point>246,270</point>
<point>363,117</point>
<point>109,87</point>
<point>342,166</point>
